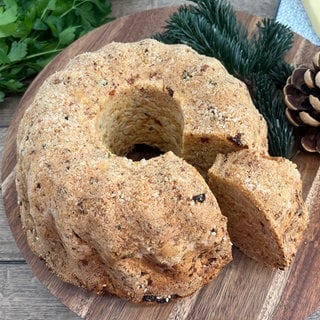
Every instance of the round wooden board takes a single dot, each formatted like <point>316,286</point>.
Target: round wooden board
<point>242,291</point>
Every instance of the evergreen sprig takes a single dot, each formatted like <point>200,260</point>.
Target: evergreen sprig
<point>211,28</point>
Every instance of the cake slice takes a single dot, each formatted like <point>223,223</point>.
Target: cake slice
<point>262,199</point>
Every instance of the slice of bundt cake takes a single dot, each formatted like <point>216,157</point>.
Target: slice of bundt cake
<point>261,196</point>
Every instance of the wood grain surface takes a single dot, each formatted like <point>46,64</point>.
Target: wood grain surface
<point>245,289</point>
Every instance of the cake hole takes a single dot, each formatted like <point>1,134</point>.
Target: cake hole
<point>142,123</point>
<point>143,151</point>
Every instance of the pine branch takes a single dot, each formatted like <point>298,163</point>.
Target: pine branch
<point>279,73</point>
<point>221,14</point>
<point>203,29</point>
<point>271,42</point>
<point>265,94</point>
<point>211,28</point>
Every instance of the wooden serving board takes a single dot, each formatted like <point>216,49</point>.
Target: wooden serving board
<point>245,289</point>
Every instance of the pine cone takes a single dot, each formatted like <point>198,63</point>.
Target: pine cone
<point>302,97</point>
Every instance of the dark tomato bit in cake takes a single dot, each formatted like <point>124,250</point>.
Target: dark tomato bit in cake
<point>199,198</point>
<point>152,298</point>
<point>149,298</point>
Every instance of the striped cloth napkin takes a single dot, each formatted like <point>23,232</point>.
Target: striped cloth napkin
<point>292,14</point>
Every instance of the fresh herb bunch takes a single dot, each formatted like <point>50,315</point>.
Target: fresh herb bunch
<point>211,28</point>
<point>33,32</point>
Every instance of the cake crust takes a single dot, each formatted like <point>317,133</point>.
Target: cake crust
<point>148,230</point>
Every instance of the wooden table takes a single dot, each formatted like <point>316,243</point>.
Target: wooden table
<point>22,296</point>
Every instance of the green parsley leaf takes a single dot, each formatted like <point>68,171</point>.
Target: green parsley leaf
<point>67,35</point>
<point>4,58</point>
<point>7,30</point>
<point>17,51</point>
<point>33,32</point>
<point>8,13</point>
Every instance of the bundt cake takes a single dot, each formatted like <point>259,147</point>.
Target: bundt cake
<point>262,198</point>
<point>147,230</point>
